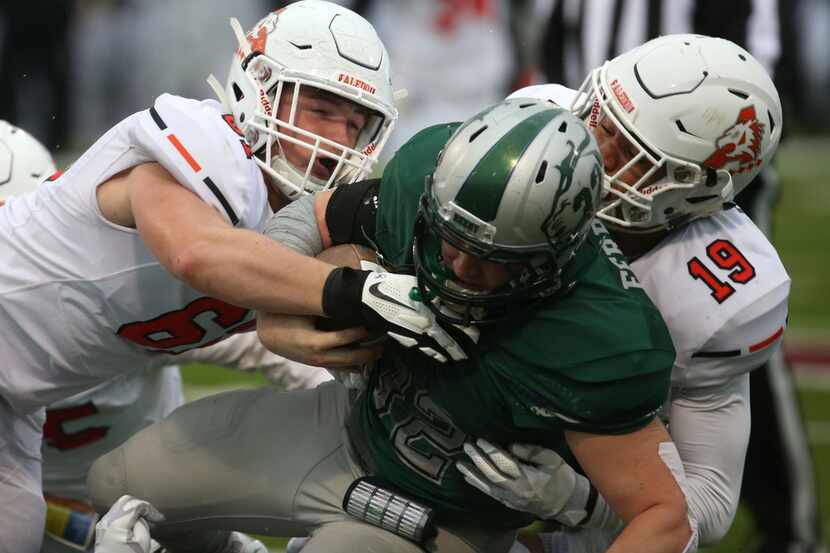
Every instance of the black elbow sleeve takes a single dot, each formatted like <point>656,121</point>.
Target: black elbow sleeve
<point>350,214</point>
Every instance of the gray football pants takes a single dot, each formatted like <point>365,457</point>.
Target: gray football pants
<point>258,461</point>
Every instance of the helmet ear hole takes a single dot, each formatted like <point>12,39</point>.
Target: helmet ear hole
<point>711,177</point>
<point>237,92</point>
<point>477,133</point>
<point>540,176</point>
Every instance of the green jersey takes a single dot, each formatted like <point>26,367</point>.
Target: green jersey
<point>596,359</point>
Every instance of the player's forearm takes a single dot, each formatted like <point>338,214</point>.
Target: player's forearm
<point>251,270</point>
<point>663,528</point>
<point>714,467</point>
<point>640,475</point>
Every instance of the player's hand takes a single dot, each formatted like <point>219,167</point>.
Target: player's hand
<point>125,527</point>
<point>389,303</point>
<point>295,337</point>
<point>529,478</point>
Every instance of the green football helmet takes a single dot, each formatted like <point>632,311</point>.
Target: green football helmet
<point>516,184</point>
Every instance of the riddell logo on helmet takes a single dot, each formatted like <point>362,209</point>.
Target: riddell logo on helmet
<point>739,147</point>
<point>593,117</point>
<point>355,82</point>
<point>369,148</point>
<point>266,104</point>
<point>622,97</point>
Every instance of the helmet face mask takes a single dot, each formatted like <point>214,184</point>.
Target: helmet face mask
<point>310,48</point>
<point>344,163</point>
<point>700,113</point>
<point>516,185</point>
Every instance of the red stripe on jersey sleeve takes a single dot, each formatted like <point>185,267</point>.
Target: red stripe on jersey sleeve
<point>185,154</point>
<point>761,345</point>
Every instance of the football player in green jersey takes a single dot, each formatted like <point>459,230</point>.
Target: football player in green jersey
<point>494,216</point>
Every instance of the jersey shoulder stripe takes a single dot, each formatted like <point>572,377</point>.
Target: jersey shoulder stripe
<point>766,342</point>
<point>194,141</point>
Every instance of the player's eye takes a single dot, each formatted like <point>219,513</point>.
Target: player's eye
<point>356,124</point>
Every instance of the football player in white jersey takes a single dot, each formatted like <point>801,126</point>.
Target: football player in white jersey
<point>150,242</point>
<point>684,123</point>
<point>80,429</point>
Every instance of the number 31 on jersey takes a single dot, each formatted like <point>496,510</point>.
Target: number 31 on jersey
<point>726,257</point>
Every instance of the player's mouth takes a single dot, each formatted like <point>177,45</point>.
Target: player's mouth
<point>462,285</point>
<point>324,167</point>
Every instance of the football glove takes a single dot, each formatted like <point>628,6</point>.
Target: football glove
<point>531,479</point>
<point>125,527</point>
<point>389,302</point>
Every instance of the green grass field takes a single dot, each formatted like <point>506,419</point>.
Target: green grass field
<point>801,235</point>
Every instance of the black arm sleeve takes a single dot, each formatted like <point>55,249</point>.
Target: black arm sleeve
<point>350,214</point>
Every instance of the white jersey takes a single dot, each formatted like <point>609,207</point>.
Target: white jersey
<point>84,427</point>
<point>82,299</point>
<point>722,290</point>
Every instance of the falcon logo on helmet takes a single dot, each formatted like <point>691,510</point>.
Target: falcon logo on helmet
<point>622,97</point>
<point>355,82</point>
<point>258,42</point>
<point>739,147</point>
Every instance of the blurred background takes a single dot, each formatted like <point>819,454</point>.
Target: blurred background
<point>70,69</point>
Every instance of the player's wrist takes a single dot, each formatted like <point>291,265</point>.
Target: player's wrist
<point>580,508</point>
<point>343,295</point>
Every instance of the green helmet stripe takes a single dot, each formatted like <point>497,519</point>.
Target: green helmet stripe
<point>481,193</point>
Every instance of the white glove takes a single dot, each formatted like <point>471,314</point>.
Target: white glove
<point>243,543</point>
<point>530,478</point>
<point>409,321</point>
<point>125,529</point>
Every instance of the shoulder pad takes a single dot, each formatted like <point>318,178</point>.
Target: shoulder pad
<point>204,151</point>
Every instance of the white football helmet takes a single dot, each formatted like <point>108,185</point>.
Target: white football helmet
<point>701,111</point>
<point>316,44</point>
<point>24,161</point>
